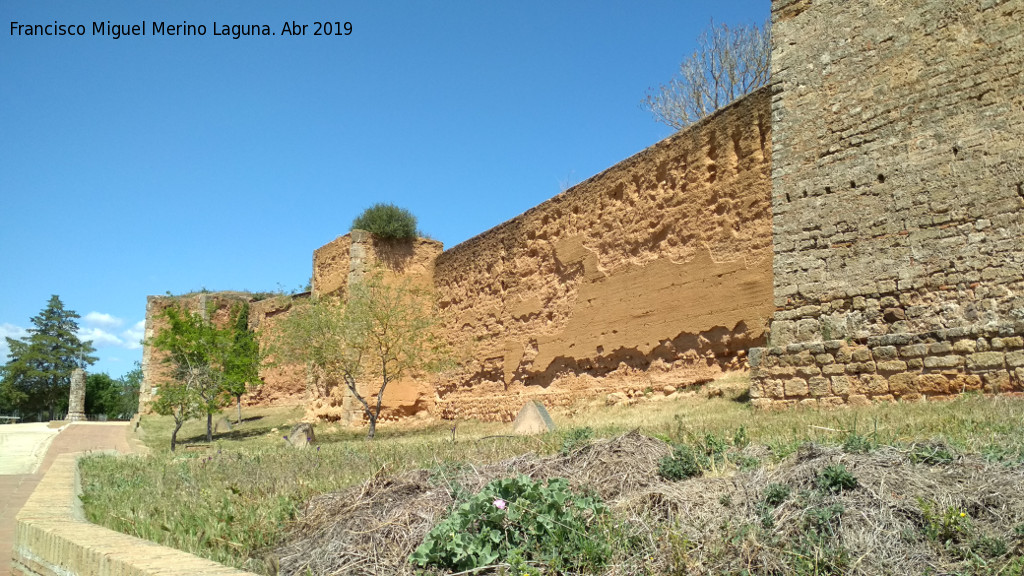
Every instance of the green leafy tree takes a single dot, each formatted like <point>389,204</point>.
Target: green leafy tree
<point>205,361</point>
<point>177,398</point>
<point>102,396</point>
<point>387,221</point>
<point>37,376</point>
<point>384,331</point>
<point>242,359</point>
<point>130,383</point>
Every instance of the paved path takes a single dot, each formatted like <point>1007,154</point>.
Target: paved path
<point>22,447</point>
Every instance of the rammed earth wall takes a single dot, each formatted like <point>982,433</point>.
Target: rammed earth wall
<point>898,188</point>
<point>653,275</point>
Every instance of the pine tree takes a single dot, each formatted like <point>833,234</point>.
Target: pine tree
<point>37,376</point>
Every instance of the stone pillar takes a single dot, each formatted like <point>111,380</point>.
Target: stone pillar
<point>359,252</point>
<point>76,404</point>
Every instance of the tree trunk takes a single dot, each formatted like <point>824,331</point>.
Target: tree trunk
<point>373,427</point>
<point>239,421</point>
<point>174,435</point>
<point>209,426</point>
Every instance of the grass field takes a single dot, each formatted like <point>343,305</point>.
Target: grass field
<point>238,499</point>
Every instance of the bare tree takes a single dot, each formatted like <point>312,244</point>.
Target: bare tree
<point>729,62</point>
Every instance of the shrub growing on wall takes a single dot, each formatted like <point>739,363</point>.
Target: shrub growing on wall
<point>387,221</point>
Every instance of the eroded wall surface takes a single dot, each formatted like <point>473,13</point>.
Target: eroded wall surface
<point>653,274</point>
<point>649,277</point>
<point>897,198</point>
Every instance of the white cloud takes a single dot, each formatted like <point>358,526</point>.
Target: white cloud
<point>102,320</point>
<point>101,329</point>
<point>99,337</point>
<point>133,336</point>
<point>9,331</point>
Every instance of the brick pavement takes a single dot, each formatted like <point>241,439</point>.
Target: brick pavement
<point>16,488</point>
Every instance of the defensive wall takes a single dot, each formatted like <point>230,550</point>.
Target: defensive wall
<point>648,277</point>
<point>652,275</point>
<point>897,201</point>
<point>868,205</point>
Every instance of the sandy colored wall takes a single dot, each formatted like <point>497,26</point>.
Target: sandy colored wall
<point>400,260</point>
<point>651,276</point>
<point>897,199</point>
<point>654,273</point>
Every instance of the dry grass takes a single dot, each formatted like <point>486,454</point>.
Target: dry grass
<point>357,507</point>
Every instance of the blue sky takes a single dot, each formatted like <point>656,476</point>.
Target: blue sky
<point>150,164</point>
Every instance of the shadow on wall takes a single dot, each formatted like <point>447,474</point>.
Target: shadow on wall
<point>397,255</point>
<point>718,349</point>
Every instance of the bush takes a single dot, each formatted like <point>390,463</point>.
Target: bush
<point>518,520</point>
<point>387,221</point>
<point>836,478</point>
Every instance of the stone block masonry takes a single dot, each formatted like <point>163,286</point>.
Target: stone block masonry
<point>919,366</point>
<point>897,196</point>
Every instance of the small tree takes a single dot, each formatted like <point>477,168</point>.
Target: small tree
<point>390,330</point>
<point>242,358</point>
<point>311,334</point>
<point>728,63</point>
<point>177,398</point>
<point>387,221</point>
<point>204,360</point>
<point>385,330</point>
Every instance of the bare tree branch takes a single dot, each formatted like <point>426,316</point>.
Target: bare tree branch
<point>730,62</point>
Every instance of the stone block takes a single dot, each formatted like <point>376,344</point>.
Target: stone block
<point>844,355</point>
<point>915,363</point>
<point>941,362</point>
<point>996,382</point>
<point>961,383</point>
<point>914,351</point>
<point>808,371</point>
<point>985,361</point>
<point>932,384</point>
<point>884,398</point>
<point>818,386</point>
<point>862,355</point>
<point>774,388</point>
<point>891,366</point>
<point>873,384</point>
<point>830,402</point>
<point>903,384</point>
<point>809,403</point>
<point>533,418</point>
<point>858,400</point>
<point>940,348</point>
<point>301,435</point>
<point>796,387</point>
<point>1015,359</point>
<point>860,368</point>
<point>885,353</point>
<point>1014,342</point>
<point>822,359</point>
<point>965,346</point>
<point>841,385</point>
<point>761,403</point>
<point>833,369</point>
